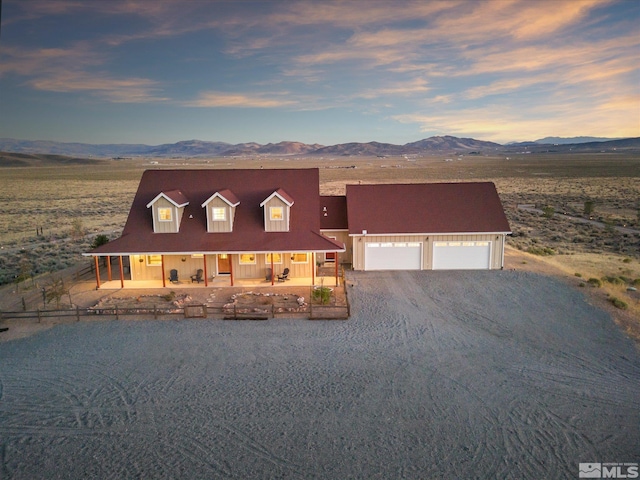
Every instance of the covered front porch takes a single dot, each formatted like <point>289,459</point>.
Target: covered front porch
<point>214,270</point>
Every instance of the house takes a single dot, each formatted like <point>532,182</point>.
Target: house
<point>254,224</point>
<point>227,223</point>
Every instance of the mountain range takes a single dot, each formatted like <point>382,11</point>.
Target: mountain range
<point>196,148</point>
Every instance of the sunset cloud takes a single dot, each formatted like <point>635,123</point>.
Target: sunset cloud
<point>491,68</point>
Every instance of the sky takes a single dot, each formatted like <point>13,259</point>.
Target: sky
<point>327,72</point>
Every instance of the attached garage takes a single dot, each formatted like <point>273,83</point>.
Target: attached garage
<point>461,255</point>
<point>426,226</point>
<point>393,256</point>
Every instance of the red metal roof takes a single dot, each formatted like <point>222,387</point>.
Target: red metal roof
<point>333,213</point>
<point>425,208</point>
<point>250,187</point>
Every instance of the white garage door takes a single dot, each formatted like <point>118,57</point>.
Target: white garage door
<point>461,255</point>
<point>393,256</point>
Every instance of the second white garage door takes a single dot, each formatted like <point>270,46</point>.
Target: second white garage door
<point>393,256</point>
<point>461,255</point>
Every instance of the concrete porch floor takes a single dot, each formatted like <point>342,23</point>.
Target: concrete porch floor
<point>220,281</point>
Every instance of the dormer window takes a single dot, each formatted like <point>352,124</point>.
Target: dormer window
<point>219,214</point>
<point>167,209</point>
<point>221,210</point>
<point>164,214</point>
<point>277,211</point>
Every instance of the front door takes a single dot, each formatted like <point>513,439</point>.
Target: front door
<point>224,264</point>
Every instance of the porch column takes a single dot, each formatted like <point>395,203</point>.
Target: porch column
<point>313,268</point>
<point>109,268</point>
<point>206,280</point>
<point>336,263</point>
<point>272,272</point>
<point>164,277</point>
<point>96,261</point>
<point>231,268</point>
<point>121,271</point>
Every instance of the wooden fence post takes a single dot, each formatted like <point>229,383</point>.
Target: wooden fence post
<point>39,318</point>
<point>155,312</point>
<point>117,316</point>
<point>77,313</point>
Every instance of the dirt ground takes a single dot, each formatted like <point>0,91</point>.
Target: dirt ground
<point>504,374</point>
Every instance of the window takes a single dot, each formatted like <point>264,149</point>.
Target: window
<point>219,214</point>
<point>299,258</point>
<point>276,213</point>
<point>164,214</point>
<point>154,260</point>
<point>277,258</point>
<point>247,259</point>
<point>197,255</point>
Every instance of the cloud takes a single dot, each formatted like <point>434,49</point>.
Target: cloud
<point>612,117</point>
<point>239,100</point>
<point>73,70</point>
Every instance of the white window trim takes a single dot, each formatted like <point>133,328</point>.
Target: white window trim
<point>160,219</point>
<point>268,261</point>
<point>148,262</point>
<point>224,214</point>
<point>298,253</point>
<point>271,210</point>
<point>246,263</point>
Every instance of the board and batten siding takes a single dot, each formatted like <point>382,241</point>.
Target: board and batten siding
<point>276,225</point>
<point>259,269</point>
<point>220,226</point>
<point>341,236</point>
<point>142,271</point>
<point>495,240</point>
<point>161,226</point>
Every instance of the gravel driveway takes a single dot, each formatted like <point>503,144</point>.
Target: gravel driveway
<point>438,374</point>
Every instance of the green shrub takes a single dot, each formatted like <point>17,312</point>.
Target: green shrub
<point>626,260</point>
<point>579,275</point>
<point>595,282</point>
<point>542,251</point>
<point>613,280</point>
<point>321,295</point>
<point>169,296</point>
<point>618,303</point>
<point>636,282</point>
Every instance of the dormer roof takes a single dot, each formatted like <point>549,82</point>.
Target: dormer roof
<point>225,195</point>
<point>282,195</point>
<point>176,197</point>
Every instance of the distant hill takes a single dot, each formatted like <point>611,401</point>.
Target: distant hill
<point>197,148</point>
<point>10,159</point>
<point>572,140</point>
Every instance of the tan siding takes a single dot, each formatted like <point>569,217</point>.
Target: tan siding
<point>164,227</point>
<point>276,225</point>
<point>219,226</point>
<point>141,271</point>
<point>341,236</point>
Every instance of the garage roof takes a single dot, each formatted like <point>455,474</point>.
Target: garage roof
<point>425,208</point>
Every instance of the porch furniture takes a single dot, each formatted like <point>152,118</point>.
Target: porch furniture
<point>284,275</point>
<point>173,276</point>
<point>198,276</point>
<point>269,275</point>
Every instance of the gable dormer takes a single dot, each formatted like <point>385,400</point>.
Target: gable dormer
<point>167,209</point>
<point>221,211</point>
<point>277,211</point>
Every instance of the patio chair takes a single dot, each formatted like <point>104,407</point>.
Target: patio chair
<point>173,276</point>
<point>269,275</point>
<point>284,275</point>
<point>198,276</point>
